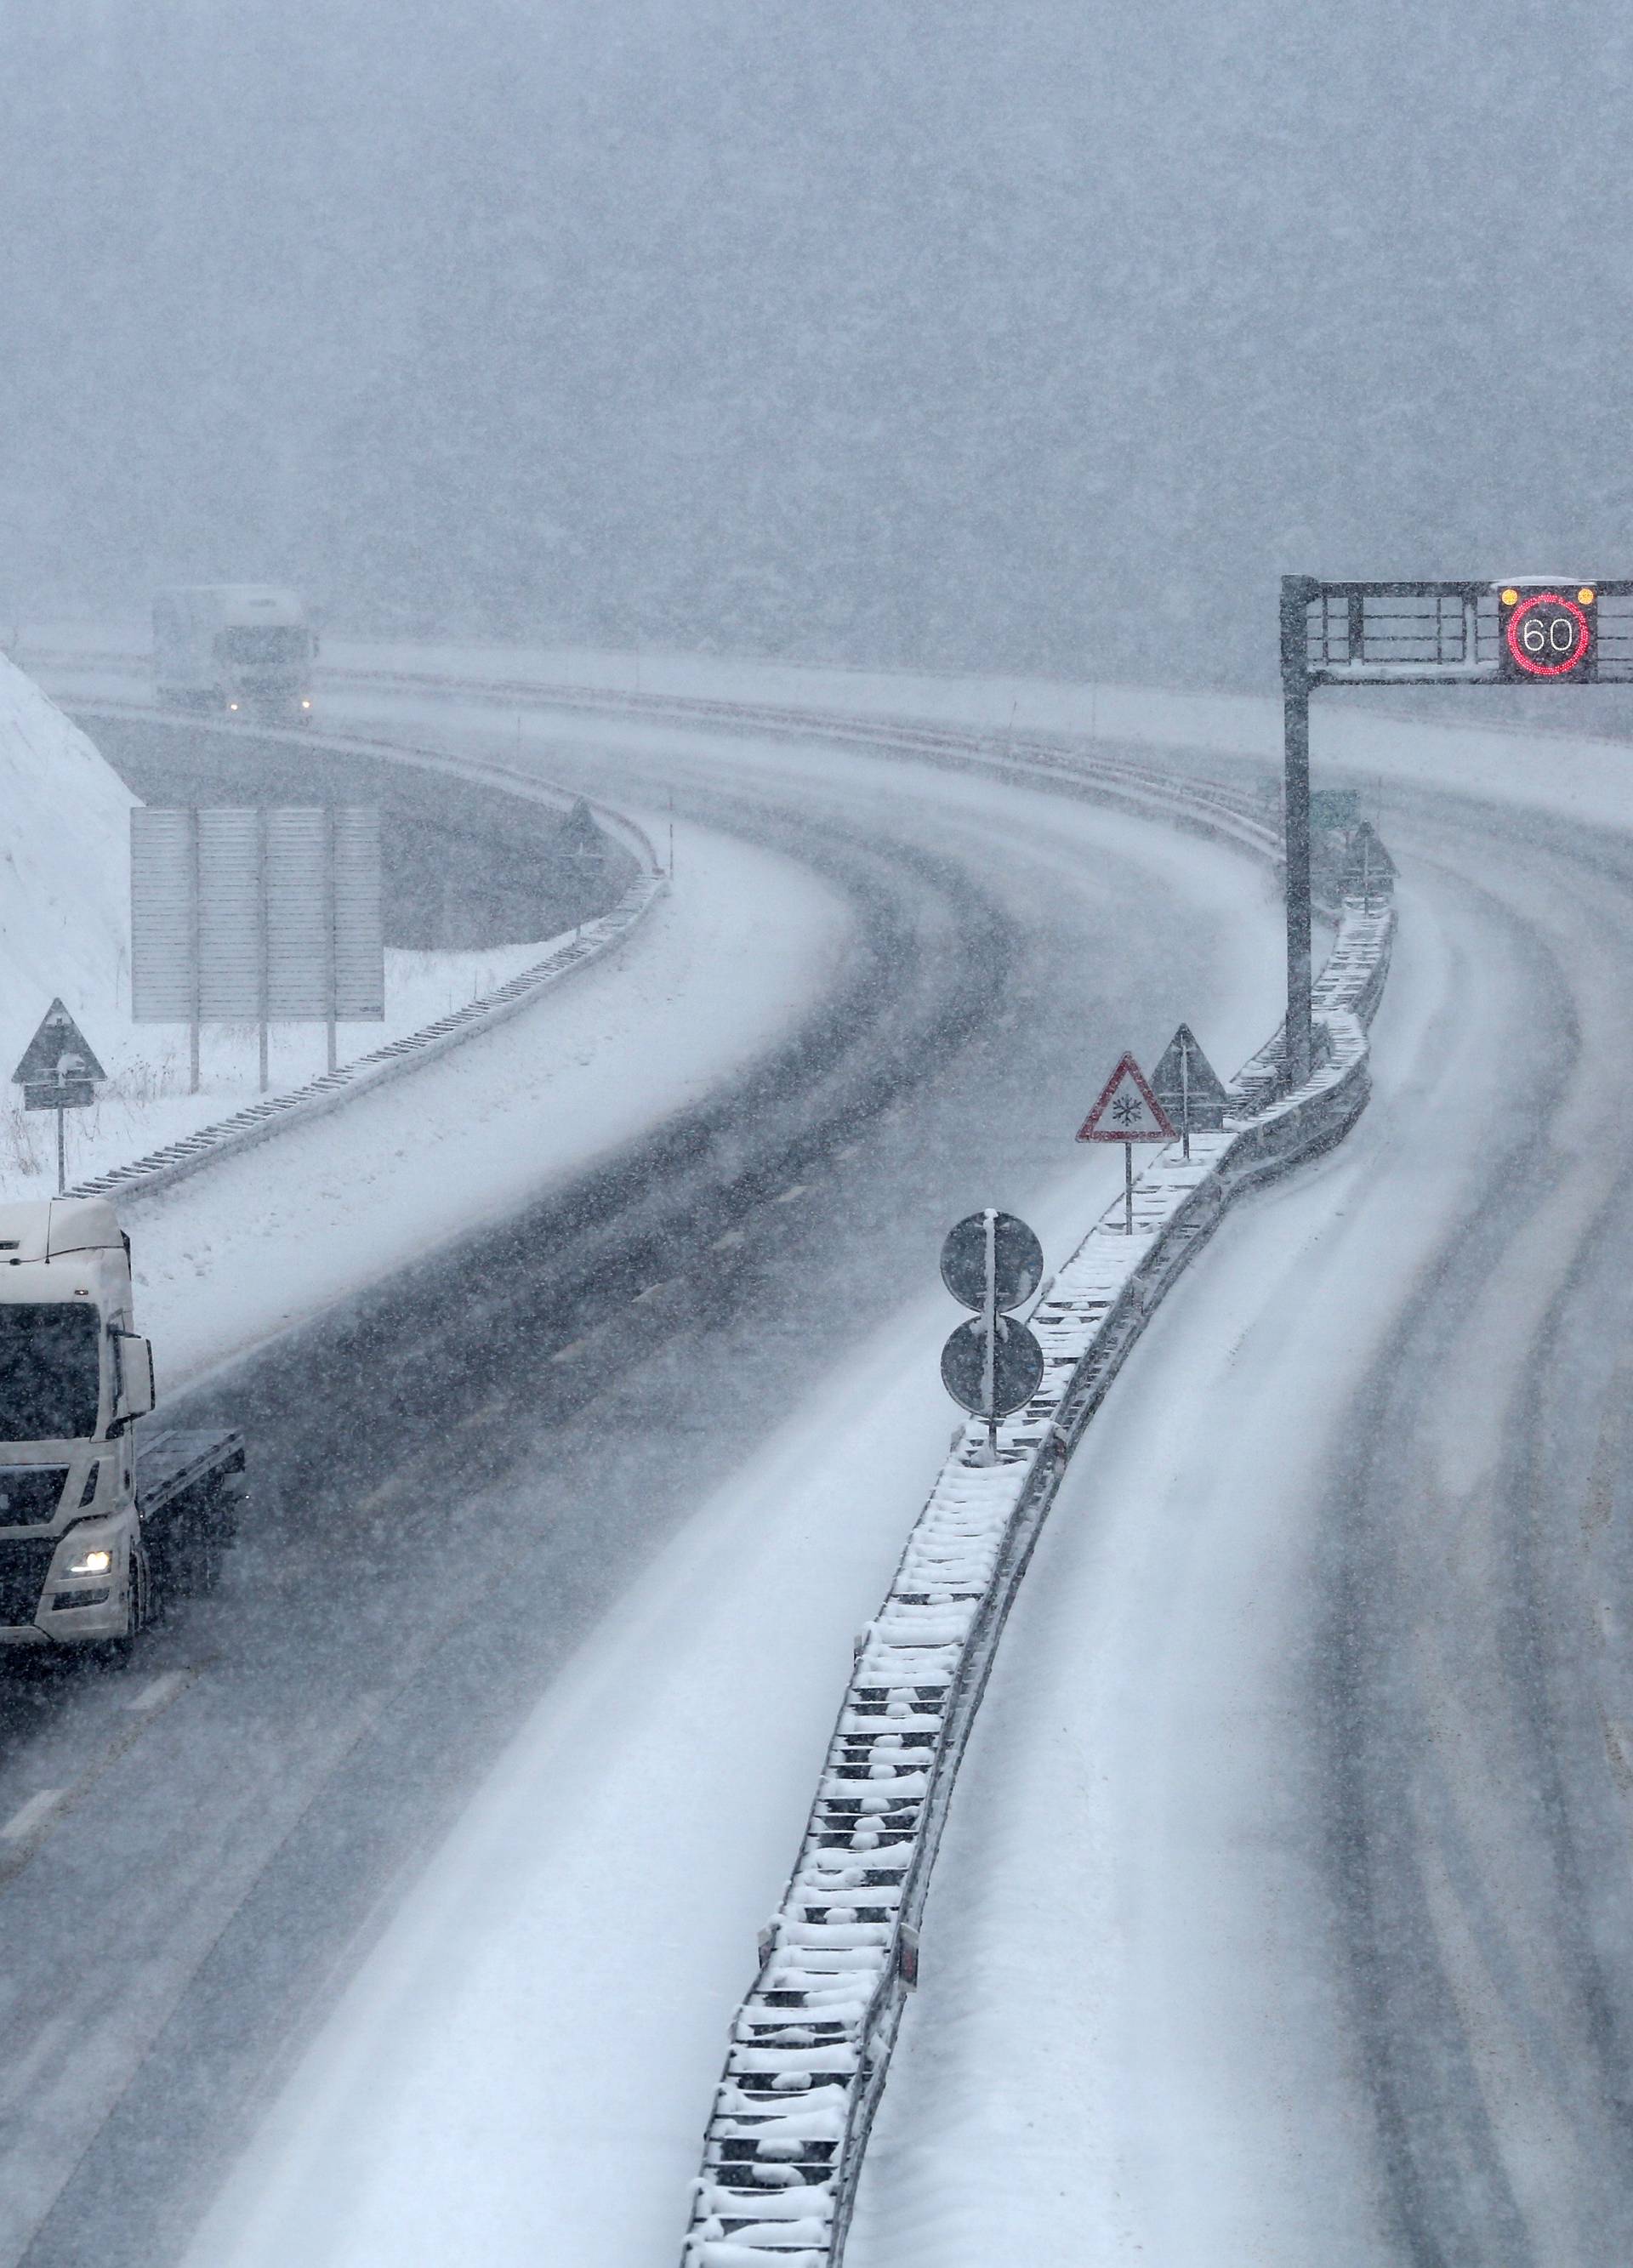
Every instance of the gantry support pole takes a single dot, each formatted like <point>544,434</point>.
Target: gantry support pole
<point>1296,592</point>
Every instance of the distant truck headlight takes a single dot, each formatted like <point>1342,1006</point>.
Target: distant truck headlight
<point>94,1562</point>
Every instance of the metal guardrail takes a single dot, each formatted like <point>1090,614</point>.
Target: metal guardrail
<point>812,2041</point>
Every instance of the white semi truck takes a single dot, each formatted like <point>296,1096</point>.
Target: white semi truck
<point>244,649</point>
<point>101,1513</point>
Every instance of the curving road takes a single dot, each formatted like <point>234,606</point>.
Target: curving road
<point>457,1475</point>
<point>1285,1913</point>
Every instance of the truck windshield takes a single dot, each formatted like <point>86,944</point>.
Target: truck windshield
<point>49,1372</point>
<point>286,645</point>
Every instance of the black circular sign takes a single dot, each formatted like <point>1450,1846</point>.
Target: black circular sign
<point>1017,1260</point>
<point>1017,1366</point>
<point>1549,633</point>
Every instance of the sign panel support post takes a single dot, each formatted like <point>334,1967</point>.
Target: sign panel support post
<point>264,950</point>
<point>1296,592</point>
<point>989,1315</point>
<point>195,917</point>
<point>331,949</point>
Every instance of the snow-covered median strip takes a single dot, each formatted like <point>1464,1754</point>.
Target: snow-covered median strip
<point>811,2042</point>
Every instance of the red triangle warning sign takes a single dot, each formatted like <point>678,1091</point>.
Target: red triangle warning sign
<point>1128,1111</point>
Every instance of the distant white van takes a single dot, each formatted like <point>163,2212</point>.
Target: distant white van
<point>246,648</point>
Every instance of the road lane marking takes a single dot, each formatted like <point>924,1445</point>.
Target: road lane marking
<point>729,1242</point>
<point>158,1690</point>
<point>566,1353</point>
<point>653,1291</point>
<point>799,1189</point>
<point>29,1817</point>
<point>26,1832</point>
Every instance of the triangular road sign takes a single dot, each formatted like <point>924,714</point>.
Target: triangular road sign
<point>1128,1111</point>
<point>1368,862</point>
<point>59,1038</point>
<point>1187,1085</point>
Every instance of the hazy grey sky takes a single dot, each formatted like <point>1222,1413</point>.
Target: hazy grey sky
<point>1040,334</point>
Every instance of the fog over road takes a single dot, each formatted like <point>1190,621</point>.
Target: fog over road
<point>444,1510</point>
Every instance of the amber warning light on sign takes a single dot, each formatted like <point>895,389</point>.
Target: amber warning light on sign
<point>1547,635</point>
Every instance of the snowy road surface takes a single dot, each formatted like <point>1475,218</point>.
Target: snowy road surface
<point>1284,1910</point>
<point>463,1474</point>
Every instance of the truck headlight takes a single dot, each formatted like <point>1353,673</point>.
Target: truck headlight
<point>95,1562</point>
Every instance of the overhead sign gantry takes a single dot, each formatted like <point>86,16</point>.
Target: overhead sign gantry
<point>1518,630</point>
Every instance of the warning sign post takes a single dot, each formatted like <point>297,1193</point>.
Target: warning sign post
<point>59,1073</point>
<point>1128,1112</point>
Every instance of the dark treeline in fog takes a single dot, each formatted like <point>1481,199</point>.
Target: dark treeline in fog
<point>1039,335</point>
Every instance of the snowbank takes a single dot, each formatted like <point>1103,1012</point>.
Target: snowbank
<point>64,881</point>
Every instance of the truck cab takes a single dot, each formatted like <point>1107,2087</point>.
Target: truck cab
<point>239,649</point>
<point>90,1523</point>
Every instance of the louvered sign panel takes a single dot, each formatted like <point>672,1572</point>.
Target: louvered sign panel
<point>229,916</point>
<point>242,915</point>
<point>161,916</point>
<point>300,931</point>
<point>359,926</point>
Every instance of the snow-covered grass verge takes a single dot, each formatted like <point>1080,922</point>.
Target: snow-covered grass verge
<point>255,1121</point>
<point>146,1101</point>
<point>64,898</point>
<point>811,2044</point>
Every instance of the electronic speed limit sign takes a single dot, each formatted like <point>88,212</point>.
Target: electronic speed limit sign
<point>1548,634</point>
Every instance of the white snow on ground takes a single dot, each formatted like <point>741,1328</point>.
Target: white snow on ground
<point>64,926</point>
<point>146,1101</point>
<point>719,969</point>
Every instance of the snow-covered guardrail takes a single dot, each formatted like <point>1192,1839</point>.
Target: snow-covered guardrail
<point>811,2042</point>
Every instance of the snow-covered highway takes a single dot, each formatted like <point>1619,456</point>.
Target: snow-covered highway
<point>1282,1910</point>
<point>464,1474</point>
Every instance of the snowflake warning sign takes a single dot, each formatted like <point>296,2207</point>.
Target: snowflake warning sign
<point>1128,1111</point>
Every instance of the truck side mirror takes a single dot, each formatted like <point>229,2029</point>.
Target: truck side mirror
<point>137,1361</point>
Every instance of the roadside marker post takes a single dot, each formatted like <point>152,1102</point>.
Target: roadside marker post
<point>1128,1112</point>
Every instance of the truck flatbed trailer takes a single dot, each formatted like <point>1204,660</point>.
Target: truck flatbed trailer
<point>171,1460</point>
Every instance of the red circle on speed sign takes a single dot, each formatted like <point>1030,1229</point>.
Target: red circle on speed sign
<point>1548,634</point>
